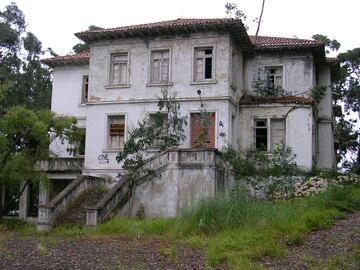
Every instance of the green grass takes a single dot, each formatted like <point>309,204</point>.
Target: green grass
<point>234,229</point>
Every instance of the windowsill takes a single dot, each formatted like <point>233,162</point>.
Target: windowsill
<point>117,86</point>
<point>82,104</point>
<point>203,82</point>
<point>159,84</point>
<point>115,150</point>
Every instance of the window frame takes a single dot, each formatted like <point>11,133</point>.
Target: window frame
<point>150,81</point>
<point>85,82</point>
<point>110,69</point>
<point>204,80</point>
<point>269,132</point>
<point>108,147</point>
<point>269,67</point>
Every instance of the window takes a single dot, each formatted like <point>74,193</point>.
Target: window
<point>158,121</point>
<point>261,137</point>
<point>116,131</point>
<point>85,89</point>
<point>274,77</point>
<point>203,64</point>
<point>118,69</point>
<point>81,144</point>
<point>268,133</point>
<point>159,66</point>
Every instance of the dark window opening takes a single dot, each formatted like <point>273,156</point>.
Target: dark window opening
<point>261,135</point>
<point>208,68</point>
<point>85,90</point>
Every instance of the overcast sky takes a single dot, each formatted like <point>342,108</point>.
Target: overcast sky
<point>54,22</point>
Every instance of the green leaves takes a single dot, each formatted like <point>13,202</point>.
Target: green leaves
<point>25,136</point>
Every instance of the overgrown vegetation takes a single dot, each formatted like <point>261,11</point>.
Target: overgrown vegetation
<point>236,229</point>
<point>264,84</point>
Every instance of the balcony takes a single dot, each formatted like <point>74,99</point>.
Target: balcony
<point>70,164</point>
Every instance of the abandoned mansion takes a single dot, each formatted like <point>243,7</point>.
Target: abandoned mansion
<point>207,62</point>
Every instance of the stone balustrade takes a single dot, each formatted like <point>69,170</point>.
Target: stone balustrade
<point>69,164</point>
<point>118,196</point>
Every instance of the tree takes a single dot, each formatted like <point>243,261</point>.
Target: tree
<point>25,136</point>
<point>330,44</point>
<point>348,91</point>
<point>164,132</point>
<point>23,79</point>
<point>83,46</point>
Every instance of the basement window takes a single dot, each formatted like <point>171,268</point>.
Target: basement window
<point>116,133</point>
<point>203,64</point>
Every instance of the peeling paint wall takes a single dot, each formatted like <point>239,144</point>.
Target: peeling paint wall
<point>326,150</point>
<point>181,67</point>
<point>298,129</point>
<point>96,139</point>
<point>177,189</point>
<point>297,67</point>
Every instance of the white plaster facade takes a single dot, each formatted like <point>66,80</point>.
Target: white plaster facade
<point>234,67</point>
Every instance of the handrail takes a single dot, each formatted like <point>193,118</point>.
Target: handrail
<point>121,192</point>
<point>48,212</point>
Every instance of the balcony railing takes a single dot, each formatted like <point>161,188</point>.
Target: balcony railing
<point>70,164</point>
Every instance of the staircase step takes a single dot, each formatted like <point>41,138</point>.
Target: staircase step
<point>75,214</point>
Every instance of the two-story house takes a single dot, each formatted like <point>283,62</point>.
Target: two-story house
<point>117,83</point>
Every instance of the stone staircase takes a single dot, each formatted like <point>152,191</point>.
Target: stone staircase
<point>75,214</point>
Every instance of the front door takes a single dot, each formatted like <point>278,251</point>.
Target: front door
<point>202,130</point>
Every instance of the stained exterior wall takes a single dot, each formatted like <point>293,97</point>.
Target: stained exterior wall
<point>298,70</point>
<point>298,129</point>
<point>219,96</point>
<point>326,153</point>
<point>96,140</point>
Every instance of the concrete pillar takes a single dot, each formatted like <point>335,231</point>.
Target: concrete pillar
<point>24,201</point>
<point>44,194</point>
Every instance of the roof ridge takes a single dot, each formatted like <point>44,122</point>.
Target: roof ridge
<point>146,25</point>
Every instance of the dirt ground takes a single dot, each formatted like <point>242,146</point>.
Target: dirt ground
<point>98,253</point>
<point>335,248</point>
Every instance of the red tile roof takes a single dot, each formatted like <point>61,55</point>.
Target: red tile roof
<point>255,100</point>
<point>234,26</point>
<point>188,25</point>
<point>79,58</point>
<point>281,42</point>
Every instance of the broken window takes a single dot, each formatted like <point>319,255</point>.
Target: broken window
<point>116,131</point>
<point>119,69</point>
<point>203,66</point>
<point>261,136</point>
<point>274,77</point>
<point>85,89</point>
<point>269,133</point>
<point>159,66</point>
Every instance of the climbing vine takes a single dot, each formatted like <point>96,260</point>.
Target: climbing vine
<point>264,86</point>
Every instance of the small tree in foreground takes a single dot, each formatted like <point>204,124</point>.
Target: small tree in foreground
<point>24,139</point>
<point>165,130</point>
